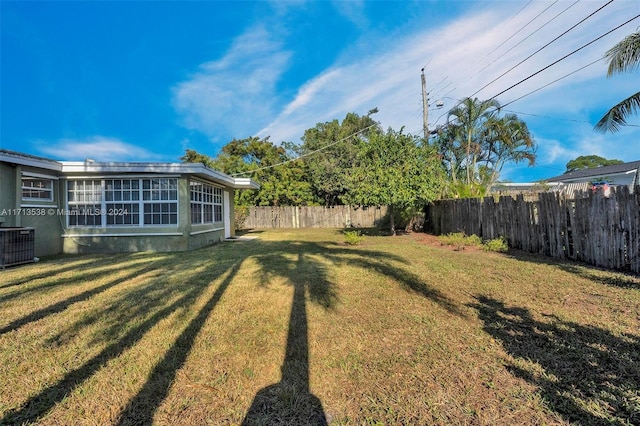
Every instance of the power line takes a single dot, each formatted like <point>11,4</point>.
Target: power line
<point>554,81</point>
<point>307,154</point>
<point>525,26</point>
<point>527,37</point>
<point>545,46</point>
<point>564,57</point>
<point>540,49</point>
<point>547,116</point>
<point>439,83</point>
<point>517,13</point>
<point>448,84</point>
<point>560,118</point>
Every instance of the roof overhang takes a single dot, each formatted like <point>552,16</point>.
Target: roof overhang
<point>194,169</point>
<point>590,177</point>
<point>29,160</point>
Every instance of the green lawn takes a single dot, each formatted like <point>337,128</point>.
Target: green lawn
<point>297,326</point>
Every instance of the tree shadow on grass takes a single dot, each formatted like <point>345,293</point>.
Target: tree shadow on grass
<point>65,265</point>
<point>80,297</point>
<point>141,408</point>
<point>145,312</point>
<point>584,373</point>
<point>124,319</point>
<point>620,279</point>
<point>290,401</point>
<point>54,278</point>
<point>302,265</point>
<point>617,279</point>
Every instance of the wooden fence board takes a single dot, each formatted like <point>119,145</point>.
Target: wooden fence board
<point>314,217</point>
<point>588,227</point>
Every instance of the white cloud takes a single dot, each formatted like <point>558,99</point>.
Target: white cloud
<point>98,148</point>
<point>552,151</point>
<point>385,73</point>
<point>235,93</point>
<point>353,10</point>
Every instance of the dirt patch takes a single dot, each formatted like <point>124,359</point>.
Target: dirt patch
<point>433,241</point>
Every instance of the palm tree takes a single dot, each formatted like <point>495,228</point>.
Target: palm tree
<point>507,139</point>
<point>624,56</point>
<point>469,117</point>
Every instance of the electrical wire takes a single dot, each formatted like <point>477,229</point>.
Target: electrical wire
<point>563,58</point>
<point>540,49</point>
<point>307,154</point>
<point>448,84</point>
<point>527,37</point>
<point>510,19</point>
<point>561,118</point>
<point>544,47</point>
<point>552,82</point>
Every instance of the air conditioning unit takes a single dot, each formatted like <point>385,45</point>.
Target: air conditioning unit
<point>17,246</point>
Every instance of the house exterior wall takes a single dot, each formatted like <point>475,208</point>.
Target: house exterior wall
<point>627,179</point>
<point>8,194</point>
<point>232,213</point>
<point>167,238</point>
<point>40,215</point>
<point>45,206</point>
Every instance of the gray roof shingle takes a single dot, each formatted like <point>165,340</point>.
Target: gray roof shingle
<point>597,171</point>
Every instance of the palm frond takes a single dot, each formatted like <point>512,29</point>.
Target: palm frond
<point>624,56</point>
<point>616,117</point>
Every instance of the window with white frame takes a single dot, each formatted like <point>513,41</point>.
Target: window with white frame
<point>84,201</point>
<point>160,201</point>
<point>122,202</point>
<point>206,203</point>
<point>37,189</point>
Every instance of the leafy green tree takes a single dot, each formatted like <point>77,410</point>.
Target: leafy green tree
<point>329,153</point>
<point>624,56</point>
<point>281,177</point>
<point>394,169</point>
<point>589,162</point>
<point>192,156</point>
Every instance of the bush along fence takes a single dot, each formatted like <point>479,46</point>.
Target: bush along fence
<point>313,217</point>
<point>589,227</point>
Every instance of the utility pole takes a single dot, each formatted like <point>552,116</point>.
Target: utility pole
<point>425,107</point>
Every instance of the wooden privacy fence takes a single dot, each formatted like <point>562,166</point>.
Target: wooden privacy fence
<point>314,217</point>
<point>587,227</point>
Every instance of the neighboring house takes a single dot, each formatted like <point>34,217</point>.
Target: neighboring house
<point>100,207</point>
<point>510,188</point>
<point>627,174</point>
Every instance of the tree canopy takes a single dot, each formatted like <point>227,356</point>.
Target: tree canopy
<point>282,178</point>
<point>476,144</point>
<point>355,162</point>
<point>589,162</point>
<point>394,169</point>
<point>330,150</point>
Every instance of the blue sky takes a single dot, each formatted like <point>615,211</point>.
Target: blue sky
<point>143,81</point>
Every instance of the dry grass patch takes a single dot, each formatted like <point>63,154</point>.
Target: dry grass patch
<point>298,327</point>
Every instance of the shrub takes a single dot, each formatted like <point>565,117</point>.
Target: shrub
<point>497,244</point>
<point>460,239</point>
<point>353,238</point>
<point>240,214</point>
